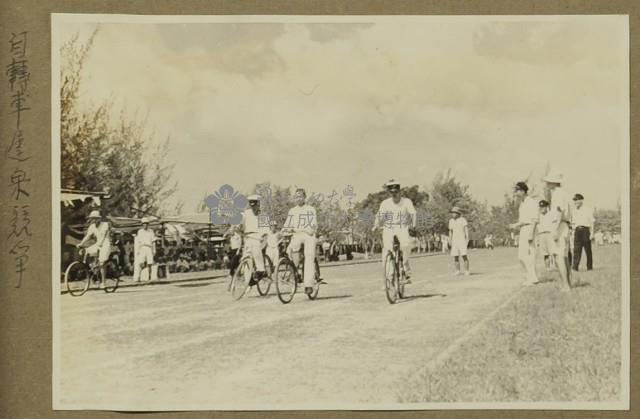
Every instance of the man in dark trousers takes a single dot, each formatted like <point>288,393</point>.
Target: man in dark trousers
<point>582,219</point>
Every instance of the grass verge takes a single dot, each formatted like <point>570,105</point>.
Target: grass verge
<point>544,346</point>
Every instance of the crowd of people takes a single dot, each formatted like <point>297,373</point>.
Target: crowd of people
<point>555,227</point>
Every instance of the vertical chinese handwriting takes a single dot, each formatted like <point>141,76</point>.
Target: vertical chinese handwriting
<point>18,75</point>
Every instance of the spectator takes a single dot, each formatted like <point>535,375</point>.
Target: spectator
<point>528,215</point>
<point>582,222</point>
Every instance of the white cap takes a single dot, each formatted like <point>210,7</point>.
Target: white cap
<point>145,220</point>
<point>253,198</point>
<point>392,182</point>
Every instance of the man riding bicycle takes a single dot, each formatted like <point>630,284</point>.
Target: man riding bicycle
<point>396,215</point>
<point>100,231</point>
<point>301,220</point>
<point>255,231</point>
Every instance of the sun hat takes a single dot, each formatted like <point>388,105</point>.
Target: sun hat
<point>145,220</point>
<point>553,177</point>
<point>456,210</point>
<point>94,214</point>
<point>253,198</point>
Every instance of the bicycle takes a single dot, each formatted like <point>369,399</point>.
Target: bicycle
<point>288,276</point>
<point>244,276</point>
<point>80,274</point>
<point>395,276</point>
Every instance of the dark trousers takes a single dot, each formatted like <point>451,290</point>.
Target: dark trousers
<point>234,260</point>
<point>582,240</point>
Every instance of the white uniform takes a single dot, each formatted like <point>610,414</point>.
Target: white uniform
<point>303,221</point>
<point>545,231</point>
<point>144,241</point>
<point>395,220</point>
<point>528,217</point>
<point>254,230</point>
<point>102,246</point>
<point>458,238</point>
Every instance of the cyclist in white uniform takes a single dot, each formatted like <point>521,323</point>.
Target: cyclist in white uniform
<point>304,224</point>
<point>255,234</point>
<point>100,231</point>
<point>396,215</point>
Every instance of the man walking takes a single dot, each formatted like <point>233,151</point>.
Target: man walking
<point>582,218</point>
<point>459,239</point>
<point>527,220</point>
<point>145,247</point>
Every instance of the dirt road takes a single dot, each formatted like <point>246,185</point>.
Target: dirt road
<point>189,345</point>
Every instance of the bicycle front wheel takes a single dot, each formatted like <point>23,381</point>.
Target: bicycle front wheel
<point>112,277</point>
<point>286,281</point>
<point>264,284</point>
<point>76,278</point>
<point>390,278</point>
<point>241,280</point>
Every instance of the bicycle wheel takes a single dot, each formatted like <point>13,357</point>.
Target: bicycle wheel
<point>402,278</point>
<point>286,281</point>
<point>316,285</point>
<point>77,278</point>
<point>112,277</point>
<point>390,278</point>
<point>241,279</point>
<point>264,284</point>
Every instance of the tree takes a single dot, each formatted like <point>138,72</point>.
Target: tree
<point>100,152</point>
<point>447,192</point>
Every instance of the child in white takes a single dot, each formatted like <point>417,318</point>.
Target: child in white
<point>459,237</point>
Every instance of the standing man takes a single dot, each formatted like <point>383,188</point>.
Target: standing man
<point>145,251</point>
<point>395,215</point>
<point>100,231</point>
<point>582,218</point>
<point>302,220</point>
<point>560,208</point>
<point>458,239</point>
<point>527,220</point>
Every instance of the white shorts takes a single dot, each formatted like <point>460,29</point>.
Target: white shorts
<point>145,255</point>
<point>458,248</point>
<point>102,252</point>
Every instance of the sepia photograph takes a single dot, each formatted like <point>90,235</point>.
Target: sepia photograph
<point>340,212</point>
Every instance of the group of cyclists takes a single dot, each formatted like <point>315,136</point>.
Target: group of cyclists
<point>395,217</point>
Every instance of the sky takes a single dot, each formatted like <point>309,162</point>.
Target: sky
<point>325,105</point>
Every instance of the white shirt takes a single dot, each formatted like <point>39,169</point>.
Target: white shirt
<point>398,215</point>
<point>456,226</point>
<point>546,222</point>
<point>101,233</point>
<point>582,216</point>
<point>254,223</point>
<point>236,241</point>
<point>302,219</point>
<point>528,211</point>
<point>146,237</point>
<point>560,202</point>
